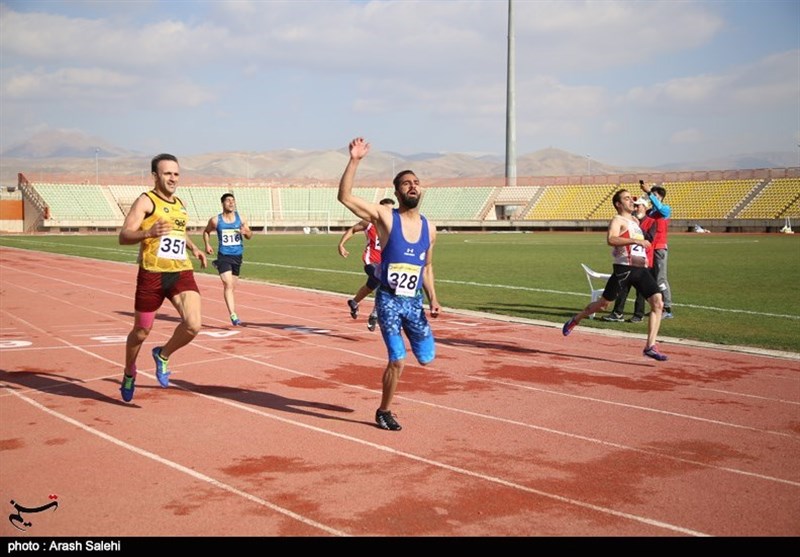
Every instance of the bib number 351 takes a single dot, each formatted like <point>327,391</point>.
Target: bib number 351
<point>172,248</point>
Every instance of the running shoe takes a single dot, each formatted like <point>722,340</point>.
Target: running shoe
<point>235,319</point>
<point>614,317</point>
<point>666,315</point>
<point>353,308</point>
<point>636,319</point>
<point>385,420</point>
<point>161,367</point>
<point>372,321</point>
<point>568,326</point>
<point>653,352</point>
<point>127,388</point>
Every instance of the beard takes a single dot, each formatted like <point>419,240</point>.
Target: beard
<point>407,202</point>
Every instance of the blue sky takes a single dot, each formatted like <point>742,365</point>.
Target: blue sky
<point>624,82</point>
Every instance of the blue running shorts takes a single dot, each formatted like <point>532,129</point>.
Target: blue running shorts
<point>403,313</point>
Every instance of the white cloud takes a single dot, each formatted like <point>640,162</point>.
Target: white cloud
<point>68,83</point>
<point>600,35</point>
<point>771,80</point>
<point>98,87</point>
<point>426,73</point>
<point>53,39</point>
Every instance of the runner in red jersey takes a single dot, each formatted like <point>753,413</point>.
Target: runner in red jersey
<point>372,262</point>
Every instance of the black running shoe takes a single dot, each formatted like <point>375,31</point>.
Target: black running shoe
<point>613,317</point>
<point>385,420</point>
<point>372,321</point>
<point>353,308</point>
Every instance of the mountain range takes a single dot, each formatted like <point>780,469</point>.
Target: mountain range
<point>74,156</point>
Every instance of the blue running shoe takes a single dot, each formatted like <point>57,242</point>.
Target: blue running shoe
<point>127,388</point>
<point>161,367</point>
<point>568,326</point>
<point>652,352</point>
<point>235,320</point>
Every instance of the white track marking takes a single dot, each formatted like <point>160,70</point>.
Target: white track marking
<point>178,467</point>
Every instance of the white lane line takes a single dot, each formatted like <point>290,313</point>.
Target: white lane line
<point>484,416</point>
<point>231,489</point>
<point>440,280</point>
<point>179,467</point>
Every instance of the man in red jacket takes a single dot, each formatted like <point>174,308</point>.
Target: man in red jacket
<point>657,220</point>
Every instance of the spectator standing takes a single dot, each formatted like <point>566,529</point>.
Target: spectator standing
<point>658,218</point>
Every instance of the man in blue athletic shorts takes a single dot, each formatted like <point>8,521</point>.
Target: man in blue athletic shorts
<point>230,228</point>
<point>407,240</point>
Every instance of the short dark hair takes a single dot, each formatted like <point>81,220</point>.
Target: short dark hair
<point>158,158</point>
<point>387,201</point>
<point>226,196</point>
<point>660,191</point>
<point>400,174</point>
<point>617,197</point>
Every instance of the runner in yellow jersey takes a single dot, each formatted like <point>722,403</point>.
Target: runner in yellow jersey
<point>157,221</point>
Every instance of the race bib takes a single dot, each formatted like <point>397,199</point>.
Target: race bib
<point>172,247</point>
<point>638,254</point>
<point>638,251</point>
<point>231,237</point>
<point>404,278</point>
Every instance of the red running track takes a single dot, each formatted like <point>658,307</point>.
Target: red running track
<point>267,429</point>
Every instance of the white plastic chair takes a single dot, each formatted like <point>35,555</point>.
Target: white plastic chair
<point>596,292</point>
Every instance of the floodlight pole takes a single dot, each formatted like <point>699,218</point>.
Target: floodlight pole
<point>511,130</point>
<point>96,166</point>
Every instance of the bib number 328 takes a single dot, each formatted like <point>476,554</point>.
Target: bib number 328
<point>404,278</point>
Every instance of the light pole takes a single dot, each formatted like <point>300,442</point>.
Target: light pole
<point>96,167</point>
<point>511,103</point>
<point>588,165</point>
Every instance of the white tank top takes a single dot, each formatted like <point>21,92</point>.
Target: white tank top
<point>633,255</point>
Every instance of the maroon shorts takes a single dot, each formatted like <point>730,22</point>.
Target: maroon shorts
<point>152,288</point>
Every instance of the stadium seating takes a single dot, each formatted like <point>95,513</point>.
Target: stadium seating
<point>454,203</point>
<point>571,202</point>
<point>715,199</point>
<point>691,200</point>
<point>79,202</point>
<point>254,203</point>
<point>778,199</point>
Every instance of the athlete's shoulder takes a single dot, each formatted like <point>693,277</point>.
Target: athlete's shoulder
<point>148,199</point>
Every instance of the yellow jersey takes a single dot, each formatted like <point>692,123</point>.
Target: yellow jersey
<point>165,254</point>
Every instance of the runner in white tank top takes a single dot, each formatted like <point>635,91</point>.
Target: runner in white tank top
<point>630,268</point>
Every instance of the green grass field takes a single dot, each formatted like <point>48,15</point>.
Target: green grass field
<point>734,289</point>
